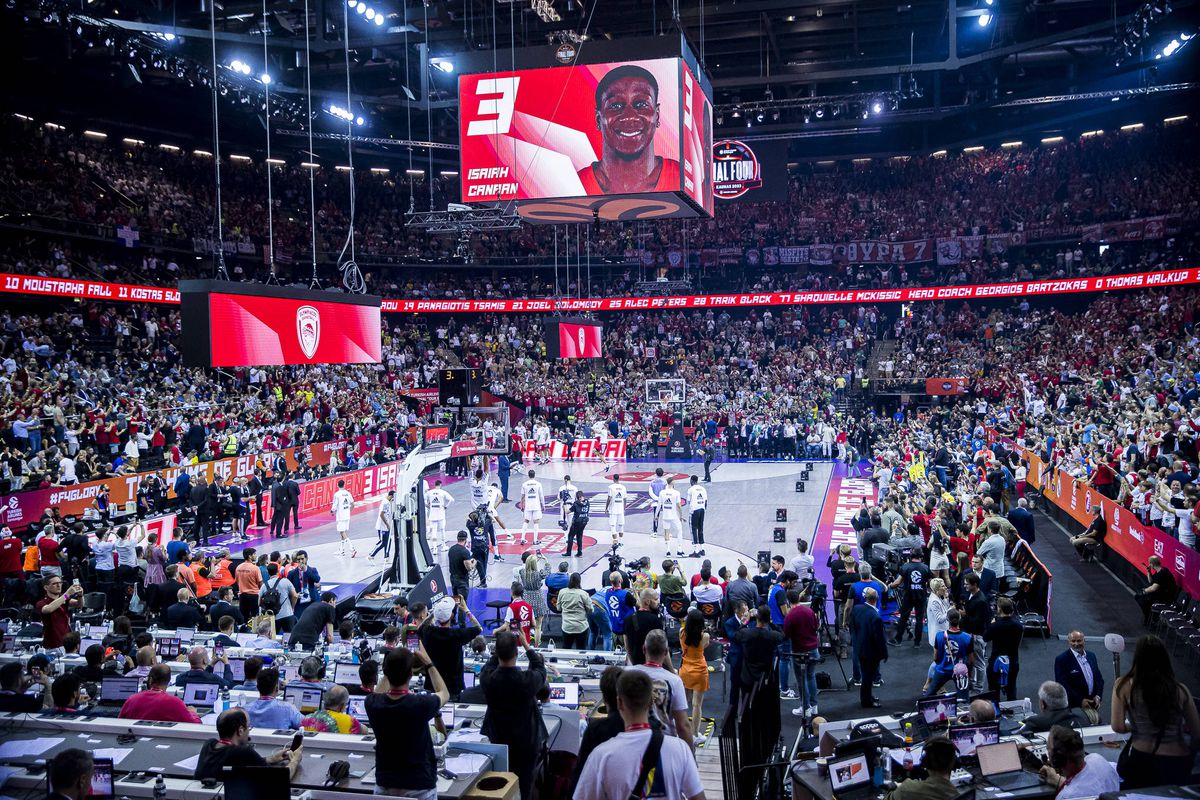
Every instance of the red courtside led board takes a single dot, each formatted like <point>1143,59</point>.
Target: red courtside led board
<point>636,130</point>
<point>228,324</point>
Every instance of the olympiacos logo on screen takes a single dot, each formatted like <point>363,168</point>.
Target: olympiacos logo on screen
<point>308,329</point>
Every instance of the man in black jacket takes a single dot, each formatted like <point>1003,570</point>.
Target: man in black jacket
<point>977,613</point>
<point>759,645</point>
<point>1053,710</point>
<point>253,491</point>
<point>293,495</point>
<point>870,647</point>
<point>513,716</point>
<point>279,508</point>
<point>198,499</point>
<point>166,592</point>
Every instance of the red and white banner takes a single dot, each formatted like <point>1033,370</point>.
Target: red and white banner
<point>24,284</point>
<point>943,386</point>
<point>581,450</point>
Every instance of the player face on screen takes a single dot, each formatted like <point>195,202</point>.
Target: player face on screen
<point>627,115</point>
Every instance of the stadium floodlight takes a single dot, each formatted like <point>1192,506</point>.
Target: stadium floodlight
<point>984,19</point>
<point>444,64</point>
<point>1171,47</point>
<point>359,121</point>
<point>362,8</point>
<point>1010,145</point>
<point>877,107</point>
<point>353,4</point>
<point>370,13</point>
<point>1052,140</point>
<point>379,20</point>
<point>265,78</point>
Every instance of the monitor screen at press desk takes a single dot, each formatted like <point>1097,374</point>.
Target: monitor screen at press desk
<point>117,689</point>
<point>346,673</point>
<point>289,672</point>
<point>102,779</point>
<point>966,738</point>
<point>357,708</point>
<point>306,699</point>
<point>565,694</point>
<point>237,669</point>
<point>937,709</point>
<point>201,694</point>
<point>849,773</point>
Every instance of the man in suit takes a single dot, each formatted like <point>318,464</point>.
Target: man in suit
<point>513,717</point>
<point>217,503</point>
<point>870,648</point>
<point>253,491</point>
<point>988,583</point>
<point>293,496</point>
<point>198,498</point>
<point>279,508</point>
<point>70,775</point>
<point>1053,710</point>
<point>1079,673</point>
<point>1022,519</point>
<point>182,488</point>
<point>977,613</point>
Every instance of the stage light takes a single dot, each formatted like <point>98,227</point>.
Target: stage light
<point>1135,126</point>
<point>359,121</point>
<point>1010,145</point>
<point>265,78</point>
<point>170,148</point>
<point>444,64</point>
<point>973,148</point>
<point>759,117</point>
<point>370,13</point>
<point>309,165</point>
<point>720,119</point>
<point>1171,47</point>
<point>168,37</point>
<point>984,19</point>
<point>95,134</point>
<point>380,170</point>
<point>820,113</point>
<point>353,4</point>
<point>362,8</point>
<point>1052,140</point>
<point>378,20</point>
<point>236,157</point>
<point>877,107</point>
<point>736,113</point>
<point>1090,134</point>
<point>1172,120</point>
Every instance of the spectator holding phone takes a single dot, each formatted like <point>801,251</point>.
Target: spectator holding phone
<point>55,610</point>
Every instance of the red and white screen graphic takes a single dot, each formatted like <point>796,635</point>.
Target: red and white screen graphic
<point>251,330</point>
<point>697,143</point>
<point>579,341</point>
<point>592,129</point>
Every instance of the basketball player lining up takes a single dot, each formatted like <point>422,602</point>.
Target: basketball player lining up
<point>437,502</point>
<point>531,503</point>
<point>614,507</point>
<point>669,502</point>
<point>342,506</point>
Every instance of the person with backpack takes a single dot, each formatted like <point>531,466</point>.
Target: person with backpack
<point>621,767</point>
<point>278,596</point>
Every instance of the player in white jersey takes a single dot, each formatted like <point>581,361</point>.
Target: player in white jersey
<point>343,504</point>
<point>566,495</point>
<point>494,498</point>
<point>437,502</point>
<point>697,501</point>
<point>614,507</point>
<point>669,502</point>
<point>478,490</point>
<point>541,441</point>
<point>531,503</point>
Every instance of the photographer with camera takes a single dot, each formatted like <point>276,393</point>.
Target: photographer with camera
<point>913,582</point>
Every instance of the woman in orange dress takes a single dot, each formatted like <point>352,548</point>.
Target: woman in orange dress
<point>694,669</point>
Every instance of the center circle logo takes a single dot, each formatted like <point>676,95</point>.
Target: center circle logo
<point>735,170</point>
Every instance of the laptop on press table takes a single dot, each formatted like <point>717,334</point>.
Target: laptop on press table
<point>115,690</point>
<point>851,778</point>
<point>1001,767</point>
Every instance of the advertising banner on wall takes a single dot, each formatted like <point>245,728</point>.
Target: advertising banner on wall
<point>581,450</point>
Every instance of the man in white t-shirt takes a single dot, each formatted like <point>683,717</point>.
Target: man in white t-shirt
<point>614,507</point>
<point>343,504</point>
<point>66,471</point>
<point>611,771</point>
<point>541,440</point>
<point>669,703</point>
<point>669,502</point>
<point>531,504</point>
<point>697,501</point>
<point>437,501</point>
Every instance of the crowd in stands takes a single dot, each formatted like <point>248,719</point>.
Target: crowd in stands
<point>1046,192</point>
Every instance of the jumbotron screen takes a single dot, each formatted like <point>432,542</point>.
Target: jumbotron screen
<point>578,337</point>
<point>585,130</point>
<point>227,324</point>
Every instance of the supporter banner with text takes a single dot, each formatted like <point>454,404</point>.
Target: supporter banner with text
<point>1127,536</point>
<point>581,450</point>
<point>19,509</point>
<point>942,386</point>
<point>95,290</point>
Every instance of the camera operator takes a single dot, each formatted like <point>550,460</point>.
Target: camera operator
<point>913,582</point>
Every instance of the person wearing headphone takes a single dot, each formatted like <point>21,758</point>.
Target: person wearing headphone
<point>939,759</point>
<point>1073,772</point>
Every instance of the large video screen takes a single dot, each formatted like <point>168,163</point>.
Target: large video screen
<point>228,324</point>
<point>585,130</point>
<point>578,337</point>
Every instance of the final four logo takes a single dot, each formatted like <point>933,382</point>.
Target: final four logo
<point>735,170</point>
<point>308,329</point>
